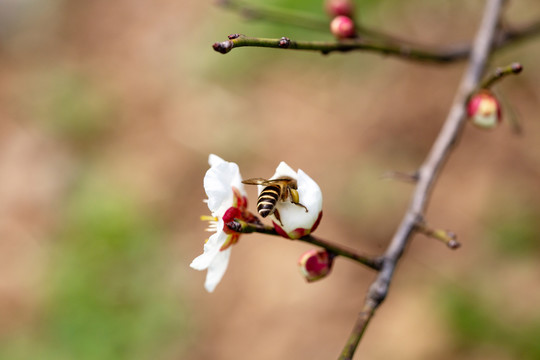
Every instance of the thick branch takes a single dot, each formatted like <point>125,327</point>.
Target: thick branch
<point>371,262</point>
<point>429,171</point>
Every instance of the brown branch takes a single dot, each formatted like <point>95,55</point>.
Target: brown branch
<point>429,172</point>
<point>374,263</point>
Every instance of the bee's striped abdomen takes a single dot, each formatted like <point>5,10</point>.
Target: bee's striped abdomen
<point>268,199</point>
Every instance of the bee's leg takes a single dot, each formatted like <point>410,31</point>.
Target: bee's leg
<point>276,214</point>
<point>295,198</point>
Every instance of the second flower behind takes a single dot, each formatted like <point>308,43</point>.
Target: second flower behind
<point>296,210</point>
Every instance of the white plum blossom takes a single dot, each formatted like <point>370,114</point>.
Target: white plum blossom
<point>295,221</point>
<point>227,200</point>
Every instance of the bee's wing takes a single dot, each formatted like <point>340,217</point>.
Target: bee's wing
<point>257,181</point>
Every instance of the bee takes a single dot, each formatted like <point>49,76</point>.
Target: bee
<point>282,189</point>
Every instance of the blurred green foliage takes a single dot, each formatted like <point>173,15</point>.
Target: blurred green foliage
<point>515,233</point>
<point>72,106</point>
<point>474,323</point>
<point>109,296</point>
<point>475,319</point>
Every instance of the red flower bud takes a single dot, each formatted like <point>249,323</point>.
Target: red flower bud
<point>315,264</point>
<point>339,7</point>
<point>342,27</point>
<point>484,110</point>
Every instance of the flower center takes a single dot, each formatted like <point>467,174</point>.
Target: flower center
<point>487,107</point>
<point>231,214</point>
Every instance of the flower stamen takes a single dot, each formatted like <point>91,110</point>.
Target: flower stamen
<point>213,222</point>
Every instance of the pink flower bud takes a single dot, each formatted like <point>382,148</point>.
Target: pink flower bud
<point>484,110</point>
<point>315,264</point>
<point>339,7</point>
<point>342,27</point>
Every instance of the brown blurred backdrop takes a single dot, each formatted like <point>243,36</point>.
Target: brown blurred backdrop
<point>108,111</point>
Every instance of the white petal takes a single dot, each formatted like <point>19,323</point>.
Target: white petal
<point>214,160</point>
<point>486,121</point>
<point>310,192</point>
<point>218,183</point>
<point>217,270</point>
<point>310,195</point>
<point>211,250</point>
<point>284,170</point>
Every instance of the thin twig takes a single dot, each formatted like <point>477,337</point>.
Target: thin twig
<point>312,22</point>
<point>449,238</point>
<point>500,73</point>
<point>429,172</point>
<point>388,46</point>
<point>374,263</point>
<point>326,47</point>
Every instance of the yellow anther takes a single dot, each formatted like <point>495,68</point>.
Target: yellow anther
<point>208,218</point>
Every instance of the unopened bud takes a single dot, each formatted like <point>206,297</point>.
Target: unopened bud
<point>315,264</point>
<point>342,27</point>
<point>484,110</point>
<point>339,7</point>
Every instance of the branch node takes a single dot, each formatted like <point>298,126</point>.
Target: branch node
<point>376,295</point>
<point>223,47</point>
<point>234,36</point>
<point>284,42</point>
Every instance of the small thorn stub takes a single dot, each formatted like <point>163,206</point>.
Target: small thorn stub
<point>402,176</point>
<point>446,236</point>
<point>284,42</point>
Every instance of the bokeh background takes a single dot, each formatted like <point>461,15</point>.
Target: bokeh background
<point>108,111</point>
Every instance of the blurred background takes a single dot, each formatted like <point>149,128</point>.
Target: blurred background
<point>108,111</point>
